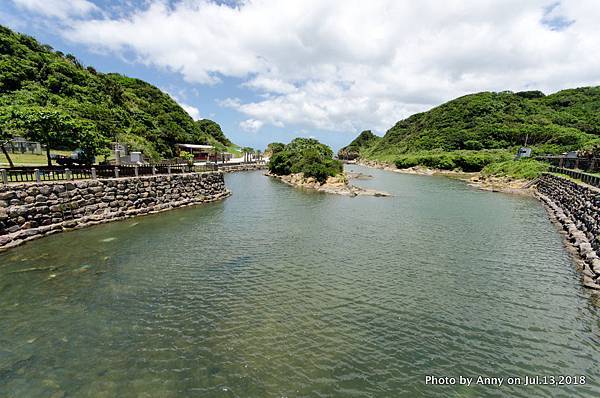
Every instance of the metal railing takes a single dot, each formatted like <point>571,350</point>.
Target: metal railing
<point>580,163</point>
<point>57,173</point>
<point>590,179</point>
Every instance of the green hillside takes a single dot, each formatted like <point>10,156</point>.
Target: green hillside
<point>35,79</point>
<point>496,123</point>
<point>364,141</point>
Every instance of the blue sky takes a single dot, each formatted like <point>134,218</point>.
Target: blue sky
<point>268,70</point>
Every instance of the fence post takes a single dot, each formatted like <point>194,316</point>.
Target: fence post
<point>116,172</point>
<point>38,177</point>
<point>4,177</point>
<point>93,173</point>
<point>68,174</point>
<point>136,170</point>
<point>169,169</point>
<point>153,170</point>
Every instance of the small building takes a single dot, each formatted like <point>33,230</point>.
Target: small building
<point>523,152</point>
<point>202,153</point>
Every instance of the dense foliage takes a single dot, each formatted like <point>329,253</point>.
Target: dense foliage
<point>468,161</point>
<point>364,141</point>
<point>521,169</point>
<point>33,76</point>
<point>213,130</point>
<point>273,148</point>
<point>566,120</point>
<point>308,156</point>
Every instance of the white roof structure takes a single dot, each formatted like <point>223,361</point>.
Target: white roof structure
<point>195,146</point>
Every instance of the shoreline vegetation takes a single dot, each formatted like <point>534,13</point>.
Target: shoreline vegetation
<point>307,163</point>
<point>480,180</point>
<point>481,133</point>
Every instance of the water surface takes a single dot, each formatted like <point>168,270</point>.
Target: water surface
<point>278,292</point>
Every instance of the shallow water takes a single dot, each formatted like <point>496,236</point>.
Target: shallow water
<point>278,292</point>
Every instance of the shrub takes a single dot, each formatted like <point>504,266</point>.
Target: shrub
<point>306,156</point>
<point>521,169</point>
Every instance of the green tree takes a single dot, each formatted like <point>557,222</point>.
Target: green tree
<point>218,150</point>
<point>307,156</point>
<point>247,151</point>
<point>6,134</point>
<point>55,129</point>
<point>273,148</point>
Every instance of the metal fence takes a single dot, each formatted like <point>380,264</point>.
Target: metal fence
<point>590,179</point>
<point>56,173</point>
<point>580,163</point>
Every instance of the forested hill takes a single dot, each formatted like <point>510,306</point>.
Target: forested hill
<point>33,76</point>
<point>566,120</point>
<point>364,141</point>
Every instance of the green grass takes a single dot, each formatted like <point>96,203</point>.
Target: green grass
<point>28,159</point>
<point>525,169</point>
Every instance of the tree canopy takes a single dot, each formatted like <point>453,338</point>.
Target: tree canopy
<point>365,140</point>
<point>115,107</point>
<point>566,120</point>
<point>307,156</point>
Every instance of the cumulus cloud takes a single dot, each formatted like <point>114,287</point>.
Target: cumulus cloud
<point>251,125</point>
<point>191,110</point>
<point>349,65</point>
<point>58,8</point>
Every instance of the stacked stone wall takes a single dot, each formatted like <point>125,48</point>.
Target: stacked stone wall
<point>29,211</point>
<point>576,207</point>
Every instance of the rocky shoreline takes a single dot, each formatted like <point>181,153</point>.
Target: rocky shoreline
<point>336,185</point>
<point>574,208</point>
<point>474,179</point>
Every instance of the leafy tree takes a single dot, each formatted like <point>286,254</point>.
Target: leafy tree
<point>115,106</point>
<point>6,134</point>
<point>247,151</point>
<point>273,148</point>
<point>307,156</point>
<point>55,129</point>
<point>218,150</point>
<point>213,129</point>
<point>365,140</point>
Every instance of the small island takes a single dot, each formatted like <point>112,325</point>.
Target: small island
<point>307,163</point>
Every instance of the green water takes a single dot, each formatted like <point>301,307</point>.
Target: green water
<point>276,292</point>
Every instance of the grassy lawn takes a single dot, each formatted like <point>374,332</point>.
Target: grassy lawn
<point>28,159</point>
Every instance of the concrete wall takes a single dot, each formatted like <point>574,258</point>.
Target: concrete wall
<point>576,207</point>
<point>30,211</point>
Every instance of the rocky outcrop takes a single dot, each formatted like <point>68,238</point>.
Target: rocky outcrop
<point>576,207</point>
<point>242,167</point>
<point>30,211</point>
<point>337,185</point>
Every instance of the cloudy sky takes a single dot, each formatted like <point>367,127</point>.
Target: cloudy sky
<point>274,69</point>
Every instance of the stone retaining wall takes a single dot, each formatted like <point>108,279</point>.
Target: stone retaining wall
<point>30,211</point>
<point>242,167</point>
<point>577,208</point>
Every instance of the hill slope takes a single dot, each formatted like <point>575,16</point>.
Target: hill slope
<point>566,120</point>
<point>123,108</point>
<point>364,141</point>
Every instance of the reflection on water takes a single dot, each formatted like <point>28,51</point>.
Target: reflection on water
<point>279,292</point>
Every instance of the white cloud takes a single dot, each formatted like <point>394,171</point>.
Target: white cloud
<point>61,9</point>
<point>251,125</point>
<point>349,65</point>
<point>191,110</point>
